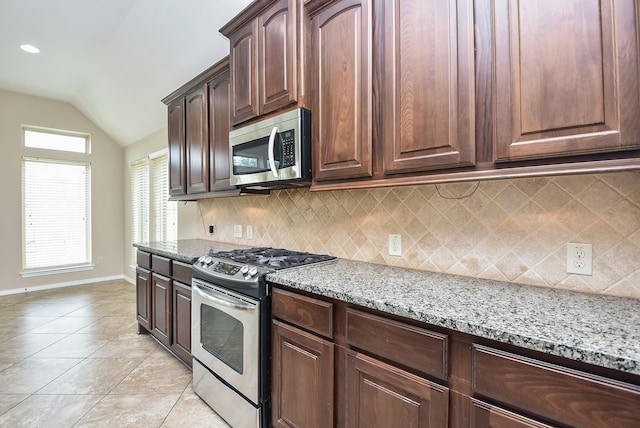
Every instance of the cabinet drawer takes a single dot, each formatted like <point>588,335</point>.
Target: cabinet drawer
<point>143,259</point>
<point>414,347</point>
<point>182,272</point>
<point>162,265</point>
<point>486,415</point>
<point>555,393</point>
<point>306,312</point>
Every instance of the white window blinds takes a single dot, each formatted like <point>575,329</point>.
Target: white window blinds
<point>56,198</point>
<point>154,217</point>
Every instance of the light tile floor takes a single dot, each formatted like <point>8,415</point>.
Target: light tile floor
<point>70,357</point>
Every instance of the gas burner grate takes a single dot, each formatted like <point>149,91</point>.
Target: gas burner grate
<point>274,258</point>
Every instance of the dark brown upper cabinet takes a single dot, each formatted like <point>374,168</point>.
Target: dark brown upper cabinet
<point>199,135</point>
<point>267,45</point>
<point>426,76</point>
<point>197,140</point>
<point>566,78</point>
<point>342,89</point>
<point>177,177</point>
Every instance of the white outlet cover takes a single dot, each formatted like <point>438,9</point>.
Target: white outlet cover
<point>395,245</point>
<point>237,231</point>
<point>249,232</point>
<point>579,258</point>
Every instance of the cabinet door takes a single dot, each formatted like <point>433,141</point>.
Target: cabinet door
<point>426,71</point>
<point>161,308</point>
<point>177,168</point>
<point>197,141</point>
<point>566,77</point>
<point>342,129</point>
<point>277,55</point>
<point>143,297</point>
<point>181,340</point>
<point>244,84</point>
<point>302,376</point>
<point>219,132</point>
<point>485,415</point>
<point>380,395</point>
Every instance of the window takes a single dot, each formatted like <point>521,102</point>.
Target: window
<point>40,138</point>
<point>56,207</point>
<point>154,217</point>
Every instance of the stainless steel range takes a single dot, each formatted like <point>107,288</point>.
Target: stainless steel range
<point>231,319</point>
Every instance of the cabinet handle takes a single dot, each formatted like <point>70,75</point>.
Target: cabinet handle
<point>272,161</point>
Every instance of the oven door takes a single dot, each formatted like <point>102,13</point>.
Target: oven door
<point>225,336</point>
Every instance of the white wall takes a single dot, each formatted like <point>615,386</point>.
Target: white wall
<point>106,189</point>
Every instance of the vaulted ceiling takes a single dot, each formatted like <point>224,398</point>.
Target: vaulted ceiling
<point>114,60</point>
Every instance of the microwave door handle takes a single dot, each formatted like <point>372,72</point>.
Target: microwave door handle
<point>272,160</point>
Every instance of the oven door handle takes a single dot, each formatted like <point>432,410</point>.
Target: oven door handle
<point>224,300</point>
<point>272,160</point>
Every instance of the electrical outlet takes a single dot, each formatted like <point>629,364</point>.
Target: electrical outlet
<point>395,245</point>
<point>249,232</point>
<point>579,259</point>
<point>237,231</point>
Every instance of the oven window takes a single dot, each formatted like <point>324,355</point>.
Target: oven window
<point>222,336</point>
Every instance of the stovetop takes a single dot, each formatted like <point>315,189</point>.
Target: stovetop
<point>244,270</point>
<point>271,258</point>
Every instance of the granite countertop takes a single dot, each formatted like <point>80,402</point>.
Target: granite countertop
<point>596,329</point>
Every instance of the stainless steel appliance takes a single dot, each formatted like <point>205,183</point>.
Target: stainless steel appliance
<point>231,319</point>
<point>272,153</point>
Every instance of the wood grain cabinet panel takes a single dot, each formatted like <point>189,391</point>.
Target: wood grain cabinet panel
<point>305,312</point>
<point>177,169</point>
<point>342,91</point>
<point>380,395</point>
<point>197,140</point>
<point>181,321</point>
<point>426,71</point>
<point>414,347</point>
<point>143,297</point>
<point>567,78</point>
<point>484,415</point>
<point>244,72</point>
<point>161,297</point>
<point>219,119</point>
<point>302,373</point>
<point>568,397</point>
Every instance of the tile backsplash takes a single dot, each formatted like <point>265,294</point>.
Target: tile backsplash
<point>514,230</point>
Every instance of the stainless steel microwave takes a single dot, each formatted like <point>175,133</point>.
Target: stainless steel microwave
<point>272,153</point>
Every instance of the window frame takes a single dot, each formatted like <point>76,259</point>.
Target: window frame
<point>53,131</point>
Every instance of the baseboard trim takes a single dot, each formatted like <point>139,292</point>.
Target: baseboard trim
<point>63,284</point>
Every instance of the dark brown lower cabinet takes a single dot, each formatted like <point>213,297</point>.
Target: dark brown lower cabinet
<point>302,378</point>
<point>143,297</point>
<point>161,308</point>
<point>181,337</point>
<point>485,415</point>
<point>381,395</point>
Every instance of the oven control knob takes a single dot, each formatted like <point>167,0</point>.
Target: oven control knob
<point>207,261</point>
<point>201,259</point>
<point>253,271</point>
<point>244,269</point>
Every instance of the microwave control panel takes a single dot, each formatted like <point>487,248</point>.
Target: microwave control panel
<point>287,141</point>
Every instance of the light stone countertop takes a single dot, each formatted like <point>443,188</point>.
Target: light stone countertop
<point>596,329</point>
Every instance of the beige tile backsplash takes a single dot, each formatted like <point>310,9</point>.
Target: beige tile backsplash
<point>513,230</point>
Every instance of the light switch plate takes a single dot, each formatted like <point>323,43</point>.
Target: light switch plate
<point>237,231</point>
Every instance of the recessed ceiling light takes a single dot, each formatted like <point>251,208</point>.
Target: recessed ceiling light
<point>30,49</point>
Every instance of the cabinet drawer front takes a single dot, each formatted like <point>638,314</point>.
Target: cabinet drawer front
<point>162,265</point>
<point>486,415</point>
<point>306,312</point>
<point>143,259</point>
<point>414,347</point>
<point>182,272</point>
<point>567,396</point>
